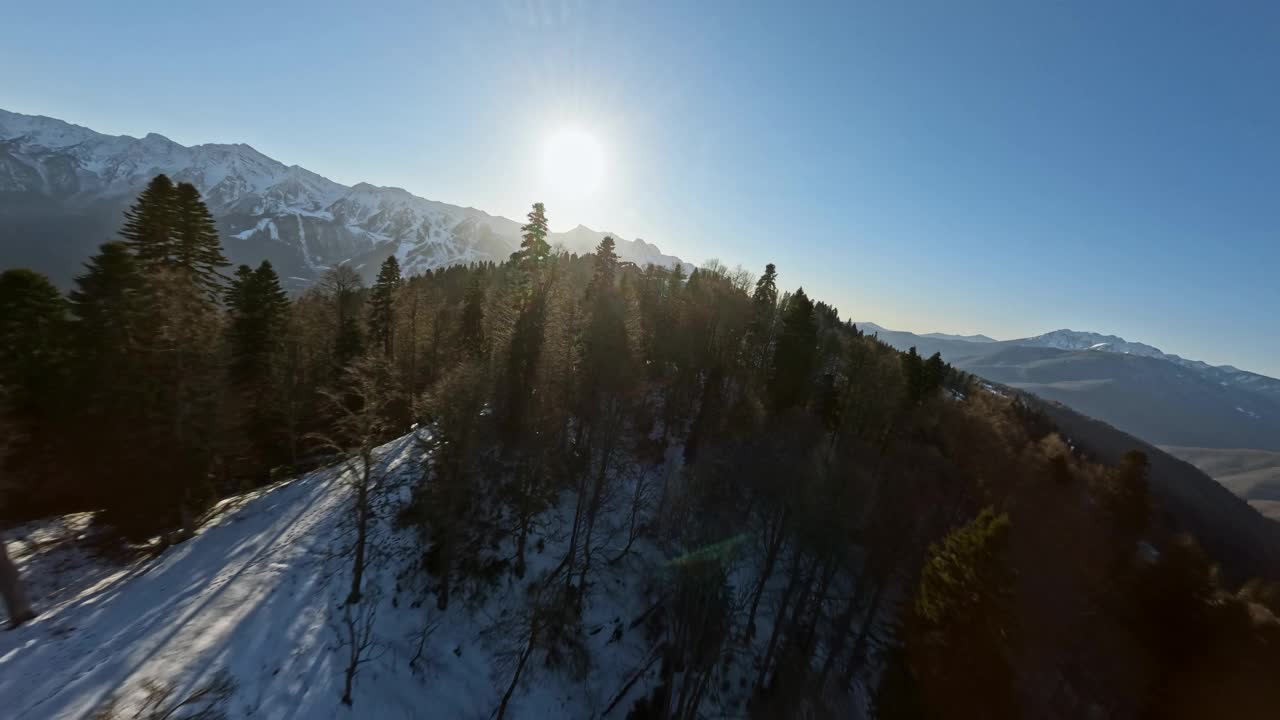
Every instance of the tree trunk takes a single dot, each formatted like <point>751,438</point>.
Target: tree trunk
<point>841,632</point>
<point>593,508</point>
<point>797,615</point>
<point>777,621</point>
<point>859,651</point>
<point>15,595</point>
<point>515,679</point>
<point>362,527</point>
<point>806,644</point>
<point>775,545</point>
<point>573,534</point>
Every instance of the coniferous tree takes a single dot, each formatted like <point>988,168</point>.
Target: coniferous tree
<point>958,633</point>
<point>532,257</point>
<point>382,299</point>
<point>604,269</point>
<point>471,335</point>
<point>342,285</point>
<point>108,304</point>
<point>179,410</point>
<point>150,228</point>
<point>33,360</point>
<point>32,338</point>
<point>183,426</point>
<point>447,495</point>
<point>764,303</point>
<point>258,315</point>
<point>199,252</point>
<point>795,357</point>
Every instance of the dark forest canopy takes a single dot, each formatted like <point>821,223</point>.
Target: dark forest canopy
<point>912,537</point>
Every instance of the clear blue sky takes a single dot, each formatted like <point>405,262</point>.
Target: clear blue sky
<point>1007,168</point>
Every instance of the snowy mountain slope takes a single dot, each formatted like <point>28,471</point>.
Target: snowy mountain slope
<point>248,594</point>
<point>258,592</point>
<point>1226,375</point>
<point>62,188</point>
<point>872,328</point>
<point>957,348</point>
<point>966,338</point>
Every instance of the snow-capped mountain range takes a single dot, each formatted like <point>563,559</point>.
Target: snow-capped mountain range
<point>1080,340</point>
<point>63,186</point>
<point>973,346</point>
<point>1097,342</point>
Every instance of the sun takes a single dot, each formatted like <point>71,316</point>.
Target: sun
<point>573,164</point>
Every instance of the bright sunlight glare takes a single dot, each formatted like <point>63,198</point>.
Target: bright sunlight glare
<point>573,163</point>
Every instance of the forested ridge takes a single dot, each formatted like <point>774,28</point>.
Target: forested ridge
<point>845,527</point>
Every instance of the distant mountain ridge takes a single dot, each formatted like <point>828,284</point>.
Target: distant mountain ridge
<point>1162,398</point>
<point>63,187</point>
<point>1075,340</point>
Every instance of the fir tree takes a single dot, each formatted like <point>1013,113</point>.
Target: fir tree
<point>534,250</point>
<point>795,357</point>
<point>107,304</point>
<point>958,632</point>
<point>604,269</point>
<point>33,356</point>
<point>257,310</point>
<point>150,228</point>
<point>382,300</point>
<point>764,304</point>
<point>199,252</point>
<point>471,330</point>
<point>341,285</point>
<point>32,338</point>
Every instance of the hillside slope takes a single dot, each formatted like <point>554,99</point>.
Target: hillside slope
<point>1253,475</point>
<point>1244,541</point>
<point>258,592</point>
<point>1154,398</point>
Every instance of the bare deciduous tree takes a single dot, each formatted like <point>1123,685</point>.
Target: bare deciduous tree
<point>361,404</point>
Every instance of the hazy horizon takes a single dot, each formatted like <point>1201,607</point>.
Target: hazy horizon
<point>1077,167</point>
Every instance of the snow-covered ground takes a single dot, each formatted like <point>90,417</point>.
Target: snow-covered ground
<point>258,592</point>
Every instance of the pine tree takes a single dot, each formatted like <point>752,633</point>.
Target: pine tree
<point>605,347</point>
<point>455,404</point>
<point>604,269</point>
<point>174,326</point>
<point>150,228</point>
<point>795,357</point>
<point>106,303</point>
<point>959,625</point>
<point>341,285</point>
<point>533,245</point>
<point>471,336</point>
<point>258,310</point>
<point>765,296</point>
<point>764,305</point>
<point>32,338</point>
<point>382,299</point>
<point>1130,495</point>
<point>183,424</point>
<point>33,358</point>
<point>199,252</point>
<point>534,252</point>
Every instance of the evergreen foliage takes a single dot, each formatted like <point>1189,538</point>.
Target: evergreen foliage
<point>150,227</point>
<point>199,252</point>
<point>794,360</point>
<point>382,300</point>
